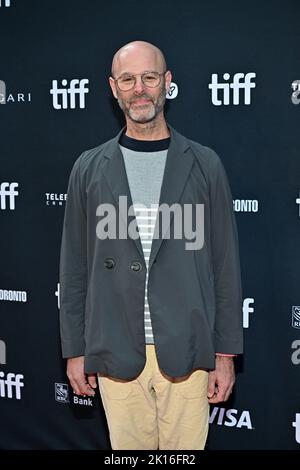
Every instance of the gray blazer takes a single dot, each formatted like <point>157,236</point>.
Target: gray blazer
<point>194,295</point>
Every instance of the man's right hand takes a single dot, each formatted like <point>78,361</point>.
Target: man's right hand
<point>81,383</point>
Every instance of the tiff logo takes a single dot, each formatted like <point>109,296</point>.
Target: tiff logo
<point>246,310</point>
<point>61,95</point>
<point>11,386</point>
<point>296,425</point>
<point>5,3</point>
<point>240,82</point>
<point>296,92</point>
<point>7,190</point>
<point>2,92</point>
<point>2,352</point>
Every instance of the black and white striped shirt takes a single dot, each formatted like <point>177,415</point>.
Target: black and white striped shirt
<point>145,164</point>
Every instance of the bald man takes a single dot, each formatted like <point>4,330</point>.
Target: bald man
<point>151,322</point>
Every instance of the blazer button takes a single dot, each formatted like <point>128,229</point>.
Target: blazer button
<point>109,263</point>
<point>136,266</point>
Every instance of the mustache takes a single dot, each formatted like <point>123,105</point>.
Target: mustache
<point>141,97</point>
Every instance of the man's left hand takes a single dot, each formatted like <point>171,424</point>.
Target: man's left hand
<point>221,380</point>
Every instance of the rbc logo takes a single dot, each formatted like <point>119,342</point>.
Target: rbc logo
<point>76,88</point>
<point>296,316</point>
<point>240,81</point>
<point>61,392</point>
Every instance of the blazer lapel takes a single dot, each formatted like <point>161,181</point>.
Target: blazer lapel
<point>115,173</point>
<point>178,166</point>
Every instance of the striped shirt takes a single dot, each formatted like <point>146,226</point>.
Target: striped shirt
<point>145,164</point>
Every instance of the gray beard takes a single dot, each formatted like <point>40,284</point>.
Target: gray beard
<point>153,109</point>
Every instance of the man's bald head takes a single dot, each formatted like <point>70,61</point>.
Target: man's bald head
<point>141,103</point>
<point>137,52</point>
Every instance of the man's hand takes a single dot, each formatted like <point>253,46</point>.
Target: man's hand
<point>221,380</point>
<point>82,384</point>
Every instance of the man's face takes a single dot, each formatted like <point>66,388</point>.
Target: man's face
<point>141,104</point>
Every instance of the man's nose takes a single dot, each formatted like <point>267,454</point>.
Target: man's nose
<point>139,86</point>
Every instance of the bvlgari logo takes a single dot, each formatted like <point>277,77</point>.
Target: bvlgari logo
<point>14,96</point>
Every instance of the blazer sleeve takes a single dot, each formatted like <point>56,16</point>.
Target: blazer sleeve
<point>73,267</point>
<point>228,331</point>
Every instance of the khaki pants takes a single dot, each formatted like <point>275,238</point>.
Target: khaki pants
<point>155,411</point>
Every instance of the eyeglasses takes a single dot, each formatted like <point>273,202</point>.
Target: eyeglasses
<point>150,79</point>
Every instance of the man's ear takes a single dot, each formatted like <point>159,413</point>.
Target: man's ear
<point>113,87</point>
<point>168,80</point>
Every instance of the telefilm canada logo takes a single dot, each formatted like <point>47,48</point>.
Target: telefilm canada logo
<point>55,199</point>
<point>69,95</point>
<point>241,85</point>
